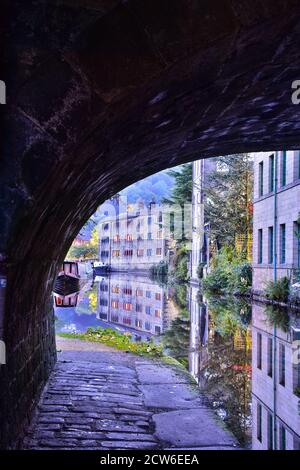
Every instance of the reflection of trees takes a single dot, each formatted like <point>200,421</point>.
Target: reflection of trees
<point>177,338</point>
<point>278,316</point>
<point>227,379</point>
<point>227,375</point>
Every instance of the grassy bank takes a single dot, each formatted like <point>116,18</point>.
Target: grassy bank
<point>114,339</point>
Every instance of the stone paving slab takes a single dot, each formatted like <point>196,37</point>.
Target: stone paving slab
<point>196,428</point>
<point>113,400</point>
<point>154,374</point>
<point>171,396</point>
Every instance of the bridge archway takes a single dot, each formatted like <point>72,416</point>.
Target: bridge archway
<point>101,94</point>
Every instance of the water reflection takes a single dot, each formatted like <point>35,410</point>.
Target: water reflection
<point>245,368</point>
<point>276,379</point>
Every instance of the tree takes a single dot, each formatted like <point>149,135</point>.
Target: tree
<point>183,185</point>
<point>228,204</point>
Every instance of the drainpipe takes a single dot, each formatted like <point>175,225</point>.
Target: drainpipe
<point>275,280</point>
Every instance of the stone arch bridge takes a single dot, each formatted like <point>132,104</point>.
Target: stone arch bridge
<point>101,93</point>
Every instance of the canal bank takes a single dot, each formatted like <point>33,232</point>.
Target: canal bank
<point>99,398</point>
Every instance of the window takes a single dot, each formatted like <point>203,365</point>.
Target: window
<point>127,306</point>
<point>159,234</point>
<point>283,168</point>
<point>129,237</point>
<point>296,365</point>
<point>157,330</point>
<point>127,291</point>
<point>115,289</point>
<point>116,238</point>
<point>103,302</point>
<point>128,252</point>
<point>147,326</point>
<point>149,220</point>
<point>148,294</point>
<point>260,246</point>
<point>261,179</point>
<point>115,318</point>
<point>158,251</point>
<point>149,236</point>
<point>149,252</point>
<point>140,253</point>
<point>139,292</point>
<point>103,287</point>
<point>282,437</point>
<point>270,357</point>
<point>138,323</point>
<point>270,431</point>
<point>259,422</point>
<point>157,296</point>
<point>115,304</point>
<point>282,243</point>
<point>139,308</point>
<point>116,253</point>
<point>297,160</point>
<point>259,350</point>
<point>282,364</point>
<point>271,245</point>
<point>127,321</point>
<point>271,173</point>
<point>157,313</point>
<point>296,249</point>
<point>148,310</point>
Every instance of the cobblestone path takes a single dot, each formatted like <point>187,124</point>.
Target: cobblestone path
<point>113,400</point>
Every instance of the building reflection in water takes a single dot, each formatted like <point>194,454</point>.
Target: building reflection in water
<point>220,357</point>
<point>132,302</point>
<point>276,380</point>
<point>213,339</point>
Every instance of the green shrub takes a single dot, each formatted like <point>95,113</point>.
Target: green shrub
<point>231,274</point>
<point>217,281</point>
<point>278,291</point>
<point>242,278</point>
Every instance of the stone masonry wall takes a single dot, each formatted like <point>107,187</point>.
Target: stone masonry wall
<point>101,94</point>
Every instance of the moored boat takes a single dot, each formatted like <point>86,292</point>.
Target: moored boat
<point>101,268</point>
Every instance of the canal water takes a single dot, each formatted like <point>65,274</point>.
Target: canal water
<point>244,356</point>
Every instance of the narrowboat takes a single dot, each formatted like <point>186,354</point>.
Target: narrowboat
<point>100,268</point>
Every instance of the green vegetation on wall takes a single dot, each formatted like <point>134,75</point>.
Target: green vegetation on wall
<point>231,274</point>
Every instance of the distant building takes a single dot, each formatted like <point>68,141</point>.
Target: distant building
<point>200,232</point>
<point>276,247</point>
<point>133,303</point>
<point>81,240</point>
<point>275,384</point>
<point>135,239</point>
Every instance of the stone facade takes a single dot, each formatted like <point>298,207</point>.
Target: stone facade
<point>273,384</point>
<point>134,241</point>
<point>275,218</point>
<point>200,236</point>
<point>79,128</point>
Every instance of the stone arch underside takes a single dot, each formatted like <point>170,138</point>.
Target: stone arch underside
<point>101,93</point>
